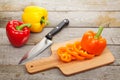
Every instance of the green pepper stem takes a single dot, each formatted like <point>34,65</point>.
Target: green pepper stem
<point>44,21</point>
<point>98,33</point>
<point>22,26</point>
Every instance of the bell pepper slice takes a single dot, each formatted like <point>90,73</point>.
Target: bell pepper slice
<point>70,50</point>
<point>78,49</point>
<point>65,57</point>
<point>61,50</point>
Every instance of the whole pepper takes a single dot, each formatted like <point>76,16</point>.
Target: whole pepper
<point>17,32</point>
<point>93,43</point>
<point>37,16</point>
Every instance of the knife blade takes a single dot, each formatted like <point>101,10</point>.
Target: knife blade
<point>44,43</point>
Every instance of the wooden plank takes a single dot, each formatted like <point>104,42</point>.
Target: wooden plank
<point>83,16</point>
<point>10,72</point>
<point>11,56</point>
<point>77,19</point>
<point>63,5</point>
<point>111,34</point>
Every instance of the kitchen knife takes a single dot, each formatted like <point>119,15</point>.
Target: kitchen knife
<point>44,43</point>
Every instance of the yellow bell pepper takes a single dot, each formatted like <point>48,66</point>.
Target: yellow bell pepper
<point>36,16</point>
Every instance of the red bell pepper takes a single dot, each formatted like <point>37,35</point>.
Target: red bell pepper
<point>17,32</point>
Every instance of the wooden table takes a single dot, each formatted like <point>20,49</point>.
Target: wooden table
<point>83,15</point>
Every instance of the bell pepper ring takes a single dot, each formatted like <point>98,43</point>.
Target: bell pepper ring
<point>17,32</point>
<point>65,57</point>
<point>71,51</point>
<point>78,49</point>
<point>61,50</point>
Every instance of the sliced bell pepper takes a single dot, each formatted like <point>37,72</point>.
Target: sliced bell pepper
<point>78,49</point>
<point>61,50</point>
<point>65,57</point>
<point>70,50</point>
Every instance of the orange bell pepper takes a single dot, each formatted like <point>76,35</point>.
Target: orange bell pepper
<point>93,43</point>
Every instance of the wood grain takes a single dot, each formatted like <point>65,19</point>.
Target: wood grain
<point>77,18</point>
<point>111,34</point>
<point>17,72</point>
<point>11,56</point>
<point>63,5</point>
<point>83,15</point>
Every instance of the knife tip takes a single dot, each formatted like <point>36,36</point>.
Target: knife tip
<point>20,62</point>
<point>23,59</point>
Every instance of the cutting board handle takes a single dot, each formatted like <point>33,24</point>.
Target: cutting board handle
<point>41,64</point>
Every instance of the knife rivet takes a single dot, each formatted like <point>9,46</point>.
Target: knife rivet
<point>57,27</point>
<point>64,20</point>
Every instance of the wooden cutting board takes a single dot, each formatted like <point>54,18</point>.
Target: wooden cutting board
<point>72,67</point>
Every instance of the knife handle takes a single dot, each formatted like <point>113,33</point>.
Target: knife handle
<point>64,23</point>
